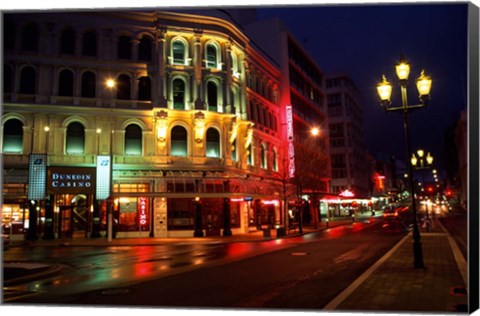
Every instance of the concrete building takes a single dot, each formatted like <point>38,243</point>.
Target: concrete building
<point>149,123</point>
<point>350,169</point>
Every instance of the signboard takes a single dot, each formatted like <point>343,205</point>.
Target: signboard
<point>37,174</point>
<point>71,180</point>
<point>103,177</point>
<point>291,151</point>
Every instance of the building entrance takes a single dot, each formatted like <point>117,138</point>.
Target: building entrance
<point>74,218</point>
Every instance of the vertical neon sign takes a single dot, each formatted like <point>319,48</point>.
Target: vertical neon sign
<point>143,211</point>
<point>291,151</point>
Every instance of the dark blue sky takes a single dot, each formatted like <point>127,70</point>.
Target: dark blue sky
<point>367,40</point>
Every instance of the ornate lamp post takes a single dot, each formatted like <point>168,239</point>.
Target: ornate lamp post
<point>384,89</point>
<point>421,162</point>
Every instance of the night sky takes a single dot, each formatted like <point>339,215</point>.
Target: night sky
<point>366,41</point>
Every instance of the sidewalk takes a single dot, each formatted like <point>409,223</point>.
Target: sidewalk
<point>393,285</point>
<point>390,285</point>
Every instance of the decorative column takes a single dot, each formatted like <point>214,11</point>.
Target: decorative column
<point>228,82</point>
<point>161,74</point>
<point>197,60</point>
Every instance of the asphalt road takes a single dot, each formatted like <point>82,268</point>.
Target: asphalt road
<point>295,273</point>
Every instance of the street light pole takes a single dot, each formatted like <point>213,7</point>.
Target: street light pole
<point>384,90</point>
<point>418,157</point>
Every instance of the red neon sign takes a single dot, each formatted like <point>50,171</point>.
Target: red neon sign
<point>143,211</point>
<point>291,151</point>
<point>347,193</point>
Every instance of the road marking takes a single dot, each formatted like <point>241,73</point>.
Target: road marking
<point>352,287</point>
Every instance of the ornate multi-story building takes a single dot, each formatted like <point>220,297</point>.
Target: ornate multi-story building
<point>170,122</point>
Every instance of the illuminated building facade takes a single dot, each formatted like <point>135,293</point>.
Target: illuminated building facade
<point>350,169</point>
<point>174,116</point>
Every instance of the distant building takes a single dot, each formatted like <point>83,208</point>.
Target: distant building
<point>461,138</point>
<point>350,170</point>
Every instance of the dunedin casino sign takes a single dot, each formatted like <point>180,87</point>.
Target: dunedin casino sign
<point>71,180</point>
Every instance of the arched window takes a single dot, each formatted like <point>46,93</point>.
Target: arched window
<point>7,79</point>
<point>75,139</point>
<point>212,96</point>
<point>27,80</point>
<point>275,160</point>
<point>30,38</point>
<point>89,85</point>
<point>212,58</point>
<point>123,87</point>
<point>249,155</point>
<point>67,42</point>
<point>9,35</point>
<point>263,156</point>
<point>124,48</point>
<point>213,143</point>
<point>145,49</point>
<point>178,142</point>
<point>13,137</point>
<point>178,94</point>
<point>234,63</point>
<point>178,51</point>
<point>133,140</point>
<point>89,44</point>
<point>65,83</point>
<point>144,89</point>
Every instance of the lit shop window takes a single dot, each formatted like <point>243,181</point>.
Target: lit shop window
<point>133,140</point>
<point>13,137</point>
<point>179,142</point>
<point>213,143</point>
<point>134,214</point>
<point>75,144</point>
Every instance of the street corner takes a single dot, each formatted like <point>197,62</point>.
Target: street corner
<point>21,272</point>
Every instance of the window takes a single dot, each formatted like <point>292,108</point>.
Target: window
<point>263,153</point>
<point>123,87</point>
<point>235,71</point>
<point>27,80</point>
<point>211,56</point>
<point>179,142</point>
<point>213,143</point>
<point>178,52</point>
<point>234,150</point>
<point>13,137</point>
<point>7,79</point>
<point>67,42</point>
<point>75,139</point>
<point>145,49</point>
<point>275,160</point>
<point>249,155</point>
<point>178,94</point>
<point>144,89</point>
<point>133,140</point>
<point>88,85</point>
<point>9,35</point>
<point>212,96</point>
<point>124,48</point>
<point>65,83</point>
<point>89,44</point>
<point>30,38</point>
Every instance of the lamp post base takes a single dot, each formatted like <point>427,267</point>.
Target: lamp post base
<point>418,255</point>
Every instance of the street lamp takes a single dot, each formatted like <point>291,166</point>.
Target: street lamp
<point>421,162</point>
<point>384,89</point>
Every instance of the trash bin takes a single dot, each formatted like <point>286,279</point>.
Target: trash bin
<point>266,233</point>
<point>280,232</point>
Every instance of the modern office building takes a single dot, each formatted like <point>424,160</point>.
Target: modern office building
<point>149,123</point>
<point>350,169</point>
<point>302,84</point>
